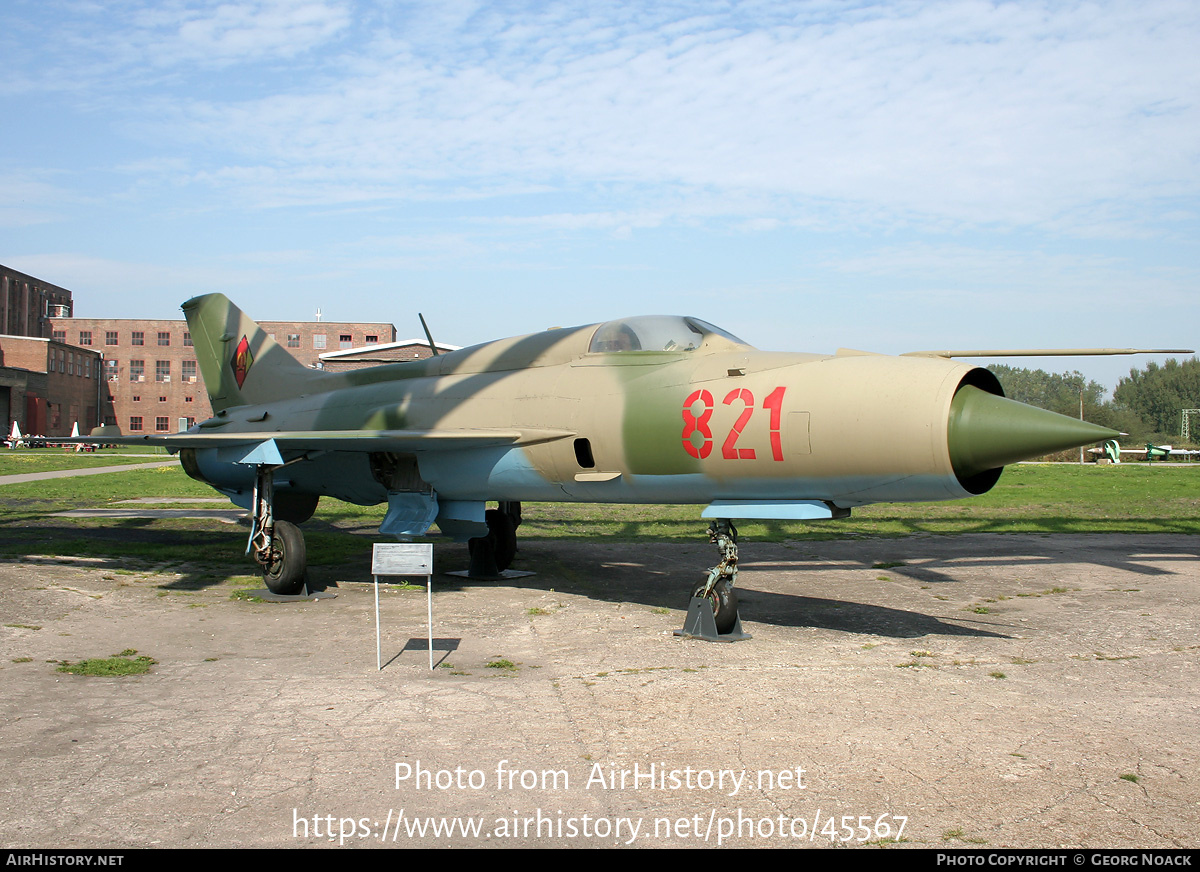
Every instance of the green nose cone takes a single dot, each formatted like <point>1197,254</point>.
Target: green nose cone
<point>987,432</point>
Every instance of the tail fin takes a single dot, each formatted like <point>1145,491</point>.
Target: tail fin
<point>240,363</point>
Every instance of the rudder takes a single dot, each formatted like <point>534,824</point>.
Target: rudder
<point>239,361</point>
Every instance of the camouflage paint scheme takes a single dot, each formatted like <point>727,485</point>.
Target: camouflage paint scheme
<point>563,415</point>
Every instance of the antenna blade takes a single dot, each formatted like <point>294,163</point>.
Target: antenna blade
<point>428,335</point>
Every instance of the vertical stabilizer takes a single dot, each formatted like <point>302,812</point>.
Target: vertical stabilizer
<point>240,363</point>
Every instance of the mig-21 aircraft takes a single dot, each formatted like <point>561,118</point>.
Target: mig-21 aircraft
<point>642,410</point>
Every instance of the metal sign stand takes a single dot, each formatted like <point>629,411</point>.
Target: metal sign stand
<point>402,558</point>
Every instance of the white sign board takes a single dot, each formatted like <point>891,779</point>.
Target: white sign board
<point>402,558</point>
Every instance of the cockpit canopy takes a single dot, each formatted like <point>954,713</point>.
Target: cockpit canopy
<point>654,333</point>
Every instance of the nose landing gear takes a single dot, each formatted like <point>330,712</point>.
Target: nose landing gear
<point>713,612</point>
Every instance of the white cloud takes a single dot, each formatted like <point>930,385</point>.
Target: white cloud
<point>1014,114</point>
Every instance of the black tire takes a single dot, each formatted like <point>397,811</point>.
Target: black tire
<point>503,534</point>
<point>285,574</point>
<point>725,605</point>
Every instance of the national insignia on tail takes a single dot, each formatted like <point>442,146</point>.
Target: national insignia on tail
<point>243,358</point>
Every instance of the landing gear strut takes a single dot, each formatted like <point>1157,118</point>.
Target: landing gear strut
<point>492,554</point>
<point>713,613</point>
<point>277,546</point>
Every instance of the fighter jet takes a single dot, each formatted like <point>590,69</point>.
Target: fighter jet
<point>656,409</point>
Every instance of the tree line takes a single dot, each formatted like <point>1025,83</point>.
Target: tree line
<point>1146,404</point>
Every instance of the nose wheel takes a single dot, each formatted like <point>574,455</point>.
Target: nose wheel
<point>724,603</point>
<point>713,611</point>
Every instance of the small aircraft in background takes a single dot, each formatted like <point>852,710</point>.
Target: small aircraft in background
<point>656,409</point>
<point>1112,450</point>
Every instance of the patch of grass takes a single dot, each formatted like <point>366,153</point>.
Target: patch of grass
<point>1040,499</point>
<point>981,610</point>
<point>246,595</point>
<point>53,460</point>
<point>501,663</point>
<point>997,675</point>
<point>888,564</point>
<point>22,660</point>
<point>119,664</point>
<point>24,626</point>
<point>1129,776</point>
<point>536,611</point>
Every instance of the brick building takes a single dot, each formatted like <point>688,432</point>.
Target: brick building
<point>46,386</point>
<point>27,304</point>
<point>151,379</point>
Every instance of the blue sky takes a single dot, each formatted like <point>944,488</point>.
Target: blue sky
<point>809,175</point>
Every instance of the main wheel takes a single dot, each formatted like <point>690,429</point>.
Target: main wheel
<point>285,573</point>
<point>725,605</point>
<point>503,533</point>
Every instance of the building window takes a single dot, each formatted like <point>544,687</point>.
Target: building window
<point>59,335</point>
<point>191,422</point>
<point>164,338</point>
<point>189,371</point>
<point>293,340</point>
<point>187,399</point>
<point>162,399</point>
<point>135,424</point>
<point>137,370</point>
<point>110,337</point>
<point>87,367</point>
<point>70,364</point>
<point>137,399</point>
<point>110,420</point>
<point>371,340</point>
<point>110,369</point>
<point>85,337</point>
<point>139,338</point>
<point>345,340</point>
<point>187,340</point>
<point>162,370</point>
<point>318,340</point>
<point>162,424</point>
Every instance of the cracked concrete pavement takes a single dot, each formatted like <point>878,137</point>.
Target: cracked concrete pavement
<point>989,690</point>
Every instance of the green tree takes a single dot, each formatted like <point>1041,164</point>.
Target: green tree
<point>1061,392</point>
<point>1158,393</point>
<point>1057,392</point>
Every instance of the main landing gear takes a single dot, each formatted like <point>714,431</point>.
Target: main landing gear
<point>276,545</point>
<point>491,555</point>
<point>713,612</point>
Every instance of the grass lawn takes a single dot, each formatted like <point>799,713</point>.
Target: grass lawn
<point>1057,498</point>
<point>23,461</point>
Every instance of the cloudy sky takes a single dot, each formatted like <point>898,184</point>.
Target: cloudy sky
<point>888,176</point>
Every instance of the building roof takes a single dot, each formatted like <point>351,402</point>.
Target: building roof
<point>376,347</point>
